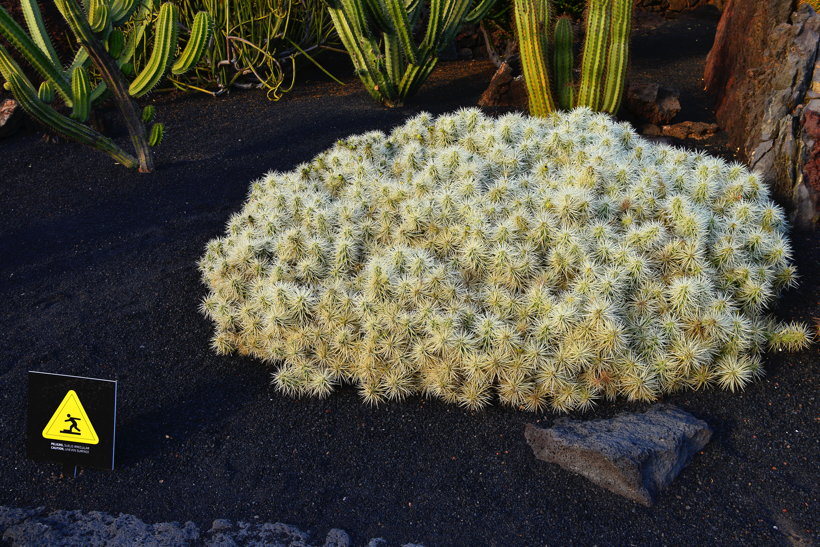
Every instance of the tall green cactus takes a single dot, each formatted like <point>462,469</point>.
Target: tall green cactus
<point>603,64</point>
<point>379,36</point>
<point>108,33</point>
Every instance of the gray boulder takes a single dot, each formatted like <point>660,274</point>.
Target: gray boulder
<point>22,526</point>
<point>633,455</point>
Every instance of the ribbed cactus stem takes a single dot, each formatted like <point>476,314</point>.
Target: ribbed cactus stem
<point>121,10</point>
<point>81,89</point>
<point>98,15</point>
<point>111,74</point>
<point>379,36</point>
<point>200,34</point>
<point>563,63</point>
<point>39,60</point>
<point>165,44</point>
<point>618,55</point>
<point>24,92</point>
<point>532,24</point>
<point>37,29</point>
<point>594,60</point>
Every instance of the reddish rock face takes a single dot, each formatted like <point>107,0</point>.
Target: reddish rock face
<point>761,69</point>
<point>740,60</point>
<point>811,128</point>
<point>10,117</point>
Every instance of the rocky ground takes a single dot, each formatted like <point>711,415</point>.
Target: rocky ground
<point>39,527</point>
<point>99,279</point>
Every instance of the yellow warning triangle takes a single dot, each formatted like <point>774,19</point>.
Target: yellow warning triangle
<point>70,422</point>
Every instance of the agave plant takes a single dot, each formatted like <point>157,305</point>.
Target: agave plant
<point>540,262</point>
<point>379,35</point>
<point>108,34</point>
<point>547,56</point>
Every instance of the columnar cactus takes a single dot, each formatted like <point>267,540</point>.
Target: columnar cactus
<point>540,261</point>
<point>378,35</point>
<point>108,34</point>
<point>603,64</point>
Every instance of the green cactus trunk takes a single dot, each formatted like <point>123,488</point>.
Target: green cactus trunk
<point>618,56</point>
<point>594,57</point>
<point>603,64</point>
<point>379,36</point>
<point>532,18</point>
<point>564,61</point>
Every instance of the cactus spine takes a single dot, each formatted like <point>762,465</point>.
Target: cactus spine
<point>379,36</point>
<point>603,64</point>
<point>108,34</point>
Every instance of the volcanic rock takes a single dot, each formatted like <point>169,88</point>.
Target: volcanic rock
<point>761,69</point>
<point>633,455</point>
<point>652,102</point>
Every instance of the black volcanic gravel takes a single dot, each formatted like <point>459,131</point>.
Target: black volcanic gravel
<point>99,278</point>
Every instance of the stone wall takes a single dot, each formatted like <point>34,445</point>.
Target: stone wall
<point>764,74</point>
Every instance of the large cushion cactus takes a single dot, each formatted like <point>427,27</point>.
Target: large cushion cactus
<point>547,261</point>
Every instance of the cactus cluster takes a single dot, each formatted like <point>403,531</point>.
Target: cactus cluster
<point>108,33</point>
<point>379,35</point>
<point>547,56</point>
<point>545,262</point>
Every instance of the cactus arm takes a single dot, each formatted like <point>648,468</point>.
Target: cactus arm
<point>200,34</point>
<point>594,57</point>
<point>112,76</point>
<point>99,15</point>
<point>364,70</point>
<point>46,92</point>
<point>376,10</point>
<point>350,20</point>
<point>24,92</point>
<point>452,22</point>
<point>81,90</point>
<point>98,92</point>
<point>392,56</point>
<point>563,40</point>
<point>37,30</point>
<point>81,58</point>
<point>21,41</point>
<point>156,134</point>
<point>415,76</point>
<point>121,11</point>
<point>141,21</point>
<point>401,24</point>
<point>413,11</point>
<point>618,56</point>
<point>165,43</point>
<point>479,11</point>
<point>436,17</point>
<point>532,22</point>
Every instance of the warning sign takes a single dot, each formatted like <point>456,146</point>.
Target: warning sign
<point>71,419</point>
<point>71,423</point>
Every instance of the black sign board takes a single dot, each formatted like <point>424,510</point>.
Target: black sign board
<point>71,420</point>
